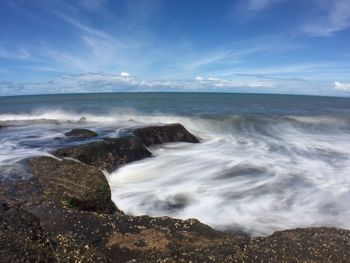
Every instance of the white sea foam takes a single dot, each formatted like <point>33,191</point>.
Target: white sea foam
<point>255,177</point>
<point>255,174</point>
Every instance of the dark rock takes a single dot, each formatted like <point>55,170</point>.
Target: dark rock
<point>89,236</point>
<point>163,134</point>
<point>81,133</point>
<point>107,154</point>
<point>82,120</point>
<point>75,184</point>
<point>24,193</point>
<point>301,245</point>
<point>2,126</point>
<point>22,238</point>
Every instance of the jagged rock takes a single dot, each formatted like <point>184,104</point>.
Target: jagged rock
<point>81,133</point>
<point>73,183</point>
<point>107,154</point>
<point>163,134</point>
<point>22,238</point>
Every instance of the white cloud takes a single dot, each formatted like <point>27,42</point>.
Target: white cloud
<point>335,18</point>
<point>99,82</point>
<point>342,86</point>
<point>229,83</point>
<point>124,74</point>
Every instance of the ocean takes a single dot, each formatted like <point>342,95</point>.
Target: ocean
<point>265,162</point>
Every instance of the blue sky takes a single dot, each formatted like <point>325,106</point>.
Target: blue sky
<point>268,46</point>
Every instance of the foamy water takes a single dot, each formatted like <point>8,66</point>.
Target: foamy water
<point>251,172</point>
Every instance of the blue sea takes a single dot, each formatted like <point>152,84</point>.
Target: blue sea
<point>265,162</point>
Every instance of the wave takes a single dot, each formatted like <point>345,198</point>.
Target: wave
<point>255,173</point>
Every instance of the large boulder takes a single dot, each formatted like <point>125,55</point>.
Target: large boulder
<point>73,183</point>
<point>22,238</point>
<point>163,134</point>
<point>81,133</point>
<point>107,154</point>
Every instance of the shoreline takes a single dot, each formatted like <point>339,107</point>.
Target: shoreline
<point>64,214</point>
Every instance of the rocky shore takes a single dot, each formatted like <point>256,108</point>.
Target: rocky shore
<point>64,213</point>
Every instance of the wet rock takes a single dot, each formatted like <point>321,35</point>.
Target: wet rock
<point>2,126</point>
<point>87,236</point>
<point>301,245</point>
<point>22,238</point>
<point>82,120</point>
<point>75,184</point>
<point>163,134</point>
<point>21,193</point>
<point>81,133</point>
<point>107,154</point>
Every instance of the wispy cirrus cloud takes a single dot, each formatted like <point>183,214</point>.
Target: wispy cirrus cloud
<point>334,16</point>
<point>247,10</point>
<point>19,53</point>
<point>259,5</point>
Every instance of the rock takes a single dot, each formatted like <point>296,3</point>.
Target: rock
<point>24,193</point>
<point>82,120</point>
<point>22,238</point>
<point>163,134</point>
<point>81,133</point>
<point>301,245</point>
<point>124,238</point>
<point>3,127</point>
<point>107,154</point>
<point>75,184</point>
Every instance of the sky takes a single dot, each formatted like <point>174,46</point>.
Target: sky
<point>253,46</point>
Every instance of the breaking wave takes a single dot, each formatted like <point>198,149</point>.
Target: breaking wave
<point>251,173</point>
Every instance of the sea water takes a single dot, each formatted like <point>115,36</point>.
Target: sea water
<point>265,162</point>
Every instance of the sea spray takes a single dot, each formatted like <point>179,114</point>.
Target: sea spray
<point>260,167</point>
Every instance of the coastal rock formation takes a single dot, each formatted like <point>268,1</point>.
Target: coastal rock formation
<point>75,184</point>
<point>65,214</point>
<point>81,133</point>
<point>89,237</point>
<point>21,193</point>
<point>72,235</point>
<point>22,238</point>
<point>301,245</point>
<point>163,134</point>
<point>107,154</point>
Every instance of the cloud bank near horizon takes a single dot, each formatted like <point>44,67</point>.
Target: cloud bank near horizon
<point>124,82</point>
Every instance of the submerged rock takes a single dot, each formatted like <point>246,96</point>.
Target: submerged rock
<point>107,154</point>
<point>81,133</point>
<point>163,134</point>
<point>75,184</point>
